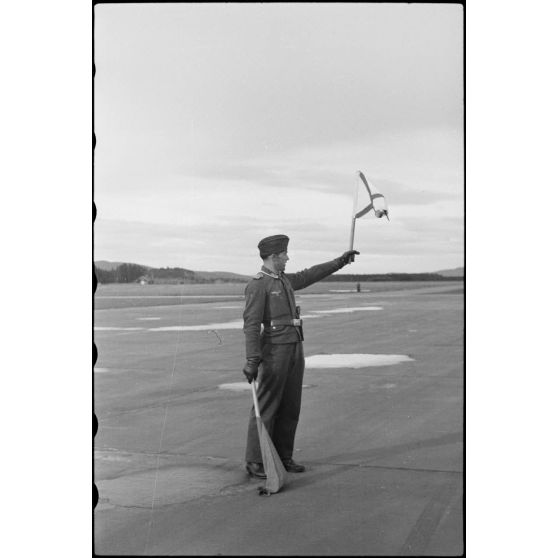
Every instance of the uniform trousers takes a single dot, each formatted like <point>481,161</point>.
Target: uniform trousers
<point>279,397</point>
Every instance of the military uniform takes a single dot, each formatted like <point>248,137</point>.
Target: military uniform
<point>270,301</point>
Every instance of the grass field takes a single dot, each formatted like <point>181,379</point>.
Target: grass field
<point>383,444</point>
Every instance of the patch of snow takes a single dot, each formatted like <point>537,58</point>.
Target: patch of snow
<point>236,386</point>
<point>170,296</point>
<point>241,386</point>
<point>346,310</point>
<point>342,290</point>
<point>106,328</point>
<point>348,290</point>
<point>354,360</point>
<point>237,324</point>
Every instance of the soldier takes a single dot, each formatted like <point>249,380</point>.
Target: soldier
<point>270,301</point>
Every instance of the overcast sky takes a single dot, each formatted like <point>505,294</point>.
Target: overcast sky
<point>219,124</point>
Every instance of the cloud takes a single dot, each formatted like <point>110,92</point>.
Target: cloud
<point>186,80</point>
<point>220,124</point>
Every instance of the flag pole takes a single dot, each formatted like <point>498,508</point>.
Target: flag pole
<point>353,218</point>
<point>352,234</point>
<point>255,398</point>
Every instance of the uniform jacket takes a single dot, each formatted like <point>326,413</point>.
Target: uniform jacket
<point>270,297</point>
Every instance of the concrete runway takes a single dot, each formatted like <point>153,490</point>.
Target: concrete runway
<point>383,445</point>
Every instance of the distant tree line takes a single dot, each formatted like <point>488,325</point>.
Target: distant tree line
<point>124,273</point>
<point>390,277</point>
<point>132,273</point>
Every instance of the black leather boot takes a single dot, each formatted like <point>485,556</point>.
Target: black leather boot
<point>292,467</point>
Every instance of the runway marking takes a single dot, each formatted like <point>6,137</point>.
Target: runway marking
<point>228,307</point>
<point>147,319</point>
<point>355,360</point>
<point>318,464</point>
<point>421,534</point>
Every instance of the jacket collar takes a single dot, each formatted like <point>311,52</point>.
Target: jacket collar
<point>268,271</point>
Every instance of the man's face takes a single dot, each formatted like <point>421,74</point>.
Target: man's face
<point>280,261</point>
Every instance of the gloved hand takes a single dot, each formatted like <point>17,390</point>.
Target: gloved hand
<point>251,369</point>
<point>348,257</point>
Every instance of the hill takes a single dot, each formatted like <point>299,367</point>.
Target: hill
<point>107,266</point>
<point>120,272</point>
<point>221,276</point>
<point>456,272</point>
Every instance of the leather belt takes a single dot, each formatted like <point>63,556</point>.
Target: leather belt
<point>293,322</point>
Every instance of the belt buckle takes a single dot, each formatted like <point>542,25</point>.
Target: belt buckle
<point>297,322</point>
